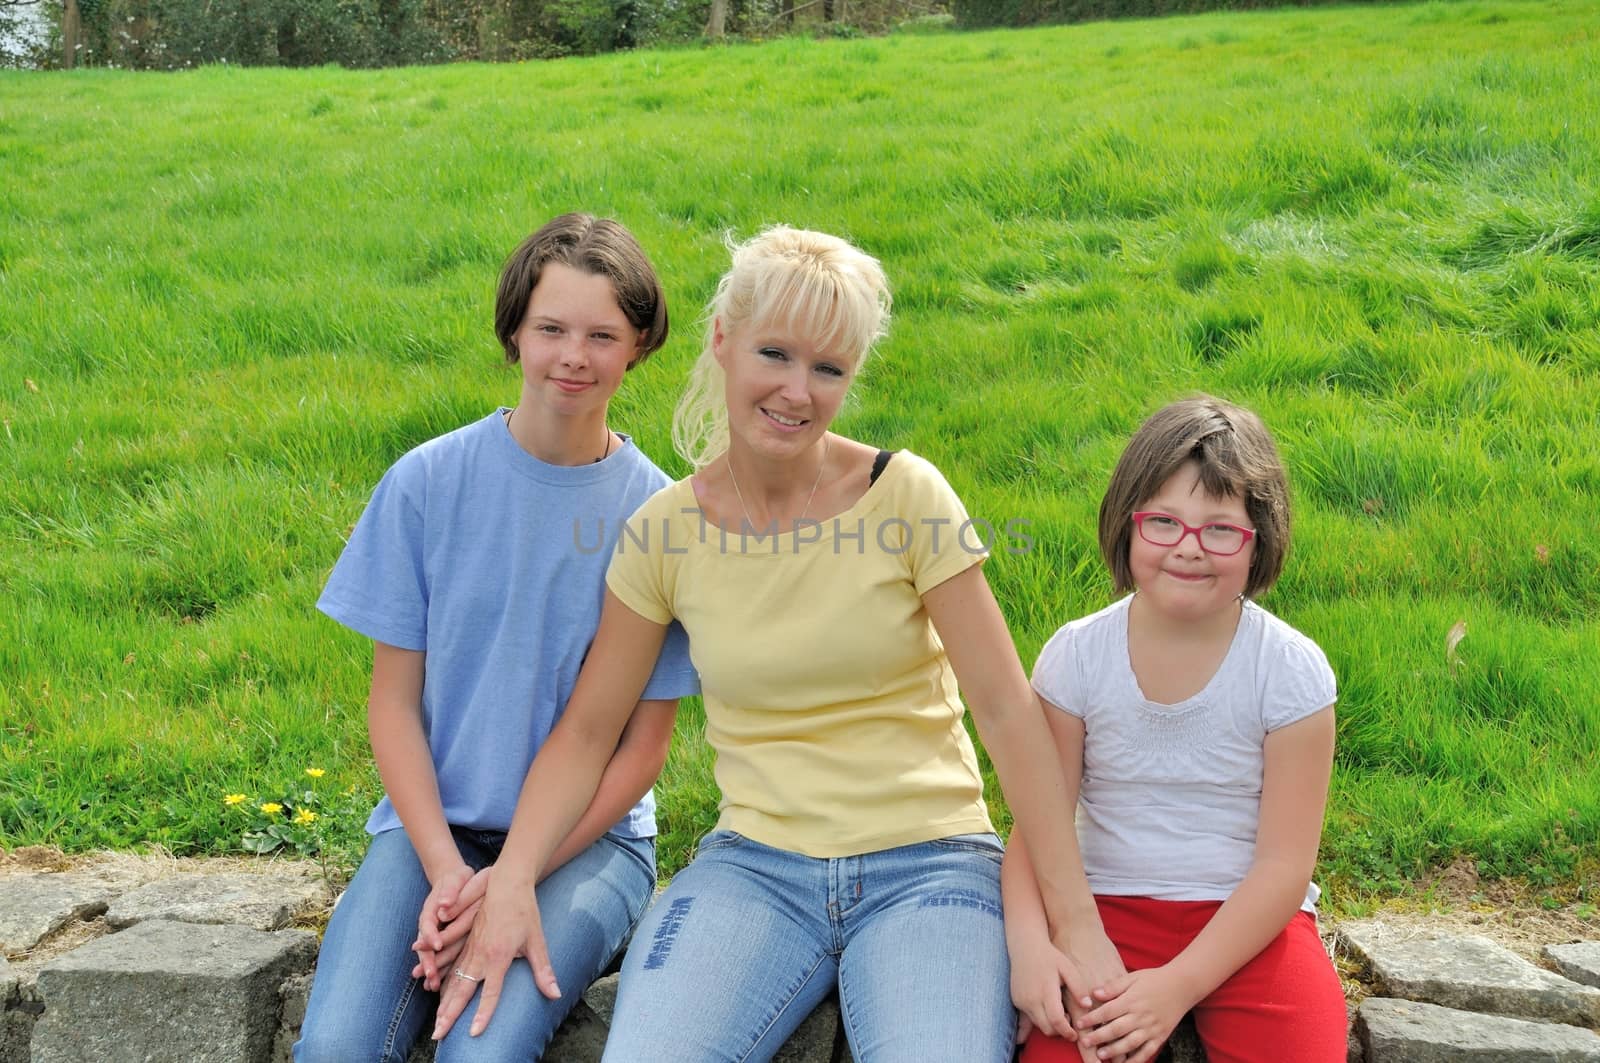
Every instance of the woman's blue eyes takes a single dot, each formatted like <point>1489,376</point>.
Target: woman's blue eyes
<point>778,355</point>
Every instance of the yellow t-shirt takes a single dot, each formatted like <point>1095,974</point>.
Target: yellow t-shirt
<point>829,700</point>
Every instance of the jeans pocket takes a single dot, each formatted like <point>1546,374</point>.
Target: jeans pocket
<point>717,839</point>
<point>982,844</point>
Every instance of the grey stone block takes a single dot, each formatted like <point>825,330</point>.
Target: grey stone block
<point>32,907</point>
<point>295,993</point>
<point>1467,972</point>
<point>1406,1031</point>
<point>162,990</point>
<point>261,901</point>
<point>813,1041</point>
<point>1579,962</point>
<point>581,1039</point>
<point>602,997</point>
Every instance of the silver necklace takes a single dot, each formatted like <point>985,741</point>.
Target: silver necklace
<point>827,441</point>
<point>603,454</point>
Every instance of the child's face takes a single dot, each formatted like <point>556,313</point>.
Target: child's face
<point>574,342</point>
<point>1183,581</point>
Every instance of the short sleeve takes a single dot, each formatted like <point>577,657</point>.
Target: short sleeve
<point>637,573</point>
<point>379,585</point>
<point>1055,673</point>
<point>1298,685</point>
<point>674,675</point>
<point>941,540</point>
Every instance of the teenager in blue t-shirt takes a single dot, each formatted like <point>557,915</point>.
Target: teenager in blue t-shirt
<point>478,572</point>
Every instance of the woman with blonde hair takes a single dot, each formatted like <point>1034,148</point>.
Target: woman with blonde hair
<point>833,595</point>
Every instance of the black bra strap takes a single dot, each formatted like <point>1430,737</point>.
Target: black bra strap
<point>878,464</point>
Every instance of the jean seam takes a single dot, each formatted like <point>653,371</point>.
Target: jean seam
<point>783,1008</point>
<point>395,1020</point>
<point>615,842</point>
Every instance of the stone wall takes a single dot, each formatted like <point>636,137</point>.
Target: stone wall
<point>200,968</point>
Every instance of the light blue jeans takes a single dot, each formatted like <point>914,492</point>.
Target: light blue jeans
<point>748,939</point>
<point>365,1006</point>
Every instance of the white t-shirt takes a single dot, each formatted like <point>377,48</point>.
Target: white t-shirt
<point>1171,794</point>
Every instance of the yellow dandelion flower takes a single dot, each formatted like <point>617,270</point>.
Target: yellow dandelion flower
<point>315,773</point>
<point>234,799</point>
<point>272,808</point>
<point>305,815</point>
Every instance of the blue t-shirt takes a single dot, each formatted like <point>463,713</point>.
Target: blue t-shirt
<point>494,562</point>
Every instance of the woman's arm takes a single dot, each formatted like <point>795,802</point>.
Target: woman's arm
<point>1004,707</point>
<point>562,783</point>
<point>632,770</point>
<point>640,755</point>
<point>1085,958</point>
<point>1142,1008</point>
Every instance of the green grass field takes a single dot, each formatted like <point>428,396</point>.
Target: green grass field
<point>229,299</point>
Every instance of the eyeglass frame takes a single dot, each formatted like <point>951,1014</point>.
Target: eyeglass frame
<point>1140,516</point>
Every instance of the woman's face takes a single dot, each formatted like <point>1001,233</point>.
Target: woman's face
<point>783,390</point>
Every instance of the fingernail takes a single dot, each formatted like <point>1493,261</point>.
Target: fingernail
<point>476,1030</point>
<point>436,1032</point>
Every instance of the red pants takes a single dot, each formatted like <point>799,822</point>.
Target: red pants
<point>1284,1006</point>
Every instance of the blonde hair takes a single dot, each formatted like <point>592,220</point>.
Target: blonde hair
<point>821,286</point>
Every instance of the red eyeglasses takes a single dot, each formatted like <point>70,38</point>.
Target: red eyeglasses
<point>1163,529</point>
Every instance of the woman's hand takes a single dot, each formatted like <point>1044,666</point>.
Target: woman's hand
<point>1137,1014</point>
<point>1098,966</point>
<point>507,926</point>
<point>1039,970</point>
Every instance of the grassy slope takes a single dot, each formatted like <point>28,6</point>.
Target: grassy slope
<point>228,299</point>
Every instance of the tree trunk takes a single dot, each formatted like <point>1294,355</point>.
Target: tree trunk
<point>71,25</point>
<point>717,24</point>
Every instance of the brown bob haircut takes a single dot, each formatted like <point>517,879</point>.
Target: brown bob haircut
<point>597,246</point>
<point>1235,455</point>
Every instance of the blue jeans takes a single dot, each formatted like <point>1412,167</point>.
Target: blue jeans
<point>365,1006</point>
<point>748,939</point>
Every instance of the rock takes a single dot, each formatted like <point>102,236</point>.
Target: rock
<point>295,993</point>
<point>260,901</point>
<point>1467,972</point>
<point>813,1041</point>
<point>602,997</point>
<point>1405,1031</point>
<point>166,990</point>
<point>581,1038</point>
<point>16,1017</point>
<point>1184,1045</point>
<point>32,907</point>
<point>1579,962</point>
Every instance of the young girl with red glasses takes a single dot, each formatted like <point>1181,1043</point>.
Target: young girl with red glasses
<point>1196,730</point>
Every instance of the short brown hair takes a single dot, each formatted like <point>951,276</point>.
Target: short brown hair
<point>1235,455</point>
<point>597,246</point>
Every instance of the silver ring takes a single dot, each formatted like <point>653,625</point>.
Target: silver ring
<point>458,973</point>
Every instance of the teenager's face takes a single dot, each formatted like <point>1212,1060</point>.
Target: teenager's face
<point>574,342</point>
<point>783,391</point>
<point>1183,581</point>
